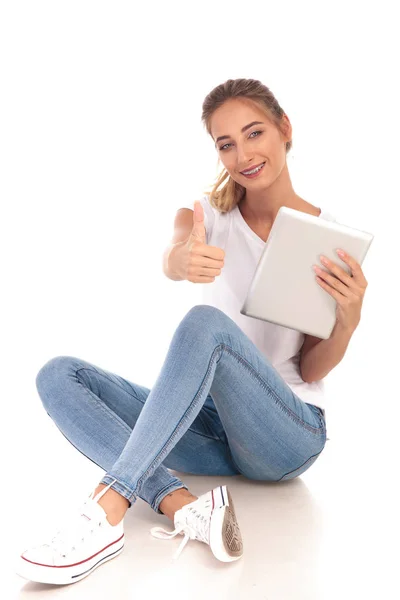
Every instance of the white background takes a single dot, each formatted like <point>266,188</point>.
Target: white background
<point>101,142</point>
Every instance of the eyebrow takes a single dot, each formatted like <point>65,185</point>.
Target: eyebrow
<point>245,128</point>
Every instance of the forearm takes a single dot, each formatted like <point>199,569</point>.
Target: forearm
<point>166,266</point>
<point>325,355</point>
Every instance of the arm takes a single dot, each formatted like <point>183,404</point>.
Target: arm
<point>183,226</point>
<point>166,268</point>
<point>318,357</point>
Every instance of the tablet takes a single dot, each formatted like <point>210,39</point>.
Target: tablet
<point>284,289</point>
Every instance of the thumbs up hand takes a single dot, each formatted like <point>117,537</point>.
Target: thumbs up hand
<point>195,261</point>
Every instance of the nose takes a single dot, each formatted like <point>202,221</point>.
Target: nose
<point>244,159</point>
<point>244,153</point>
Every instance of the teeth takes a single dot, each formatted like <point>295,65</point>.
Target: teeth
<point>254,170</point>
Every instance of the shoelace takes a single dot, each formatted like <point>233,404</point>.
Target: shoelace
<point>198,529</point>
<point>65,540</point>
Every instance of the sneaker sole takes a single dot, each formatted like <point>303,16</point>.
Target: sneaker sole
<point>69,573</point>
<point>225,538</point>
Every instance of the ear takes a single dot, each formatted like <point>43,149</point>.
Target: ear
<point>287,128</point>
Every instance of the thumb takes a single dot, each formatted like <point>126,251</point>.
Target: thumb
<point>199,230</point>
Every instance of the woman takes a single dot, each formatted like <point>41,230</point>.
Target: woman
<point>235,395</point>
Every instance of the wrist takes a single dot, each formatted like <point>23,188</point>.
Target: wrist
<point>170,262</point>
<point>341,331</point>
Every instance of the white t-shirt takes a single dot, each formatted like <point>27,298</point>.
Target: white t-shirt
<point>243,248</point>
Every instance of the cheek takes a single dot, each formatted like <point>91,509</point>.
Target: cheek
<point>222,161</point>
<point>228,165</point>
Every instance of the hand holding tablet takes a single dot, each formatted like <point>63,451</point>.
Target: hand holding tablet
<point>284,289</point>
<point>348,290</point>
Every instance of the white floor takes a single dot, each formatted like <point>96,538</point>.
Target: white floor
<point>326,534</point>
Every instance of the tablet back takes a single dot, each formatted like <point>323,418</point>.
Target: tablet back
<point>284,289</point>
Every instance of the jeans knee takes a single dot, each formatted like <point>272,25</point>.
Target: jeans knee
<point>204,320</point>
<point>205,312</point>
<point>49,375</point>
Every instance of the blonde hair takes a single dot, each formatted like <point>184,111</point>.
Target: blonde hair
<point>255,93</point>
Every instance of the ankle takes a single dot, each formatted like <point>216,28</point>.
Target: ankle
<point>175,501</point>
<point>114,505</point>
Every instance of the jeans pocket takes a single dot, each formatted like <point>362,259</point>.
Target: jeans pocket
<point>302,468</point>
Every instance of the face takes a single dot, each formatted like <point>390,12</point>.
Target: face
<point>243,147</point>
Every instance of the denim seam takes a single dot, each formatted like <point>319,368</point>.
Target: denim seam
<point>110,413</point>
<point>186,415</point>
<point>109,379</point>
<point>163,452</point>
<point>304,463</point>
<point>178,427</point>
<point>268,388</point>
<point>103,406</point>
<point>120,421</point>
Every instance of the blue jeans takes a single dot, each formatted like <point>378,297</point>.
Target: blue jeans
<point>218,407</point>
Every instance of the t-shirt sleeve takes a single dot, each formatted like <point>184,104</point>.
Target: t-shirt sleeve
<point>209,216</point>
<point>328,215</point>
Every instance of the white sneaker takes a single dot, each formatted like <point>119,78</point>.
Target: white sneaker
<point>210,519</point>
<point>85,542</point>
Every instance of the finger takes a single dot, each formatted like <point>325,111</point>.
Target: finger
<point>333,282</point>
<point>337,295</point>
<point>354,266</point>
<point>338,271</point>
<point>353,283</point>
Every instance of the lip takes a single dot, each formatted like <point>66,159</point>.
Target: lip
<point>256,174</point>
<point>252,167</point>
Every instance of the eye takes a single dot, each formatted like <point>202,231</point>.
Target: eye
<point>224,146</point>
